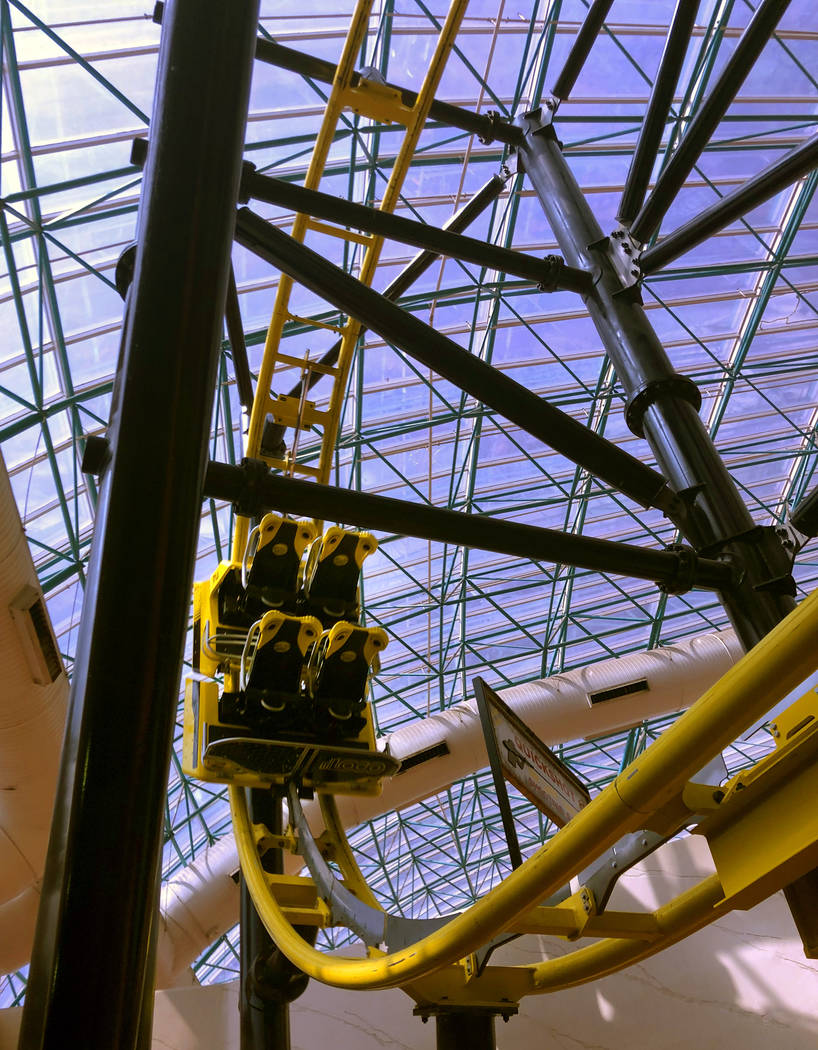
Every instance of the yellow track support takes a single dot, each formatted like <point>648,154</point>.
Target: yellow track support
<point>775,666</point>
<point>651,788</point>
<point>342,854</point>
<point>382,104</point>
<point>685,914</point>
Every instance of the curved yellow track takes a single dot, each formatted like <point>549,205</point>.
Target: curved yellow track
<point>765,675</point>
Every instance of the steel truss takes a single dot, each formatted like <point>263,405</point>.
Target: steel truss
<point>474,423</point>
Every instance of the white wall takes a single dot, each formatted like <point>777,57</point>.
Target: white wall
<point>742,982</point>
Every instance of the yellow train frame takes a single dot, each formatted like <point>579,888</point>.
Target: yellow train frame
<point>210,750</point>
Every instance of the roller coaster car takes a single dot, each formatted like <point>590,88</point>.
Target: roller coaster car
<point>227,605</point>
<point>220,620</point>
<point>339,672</point>
<point>271,697</point>
<point>332,572</point>
<point>272,560</point>
<point>220,747</point>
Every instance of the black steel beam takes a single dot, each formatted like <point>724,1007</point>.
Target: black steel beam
<point>269,982</point>
<point>465,1029</point>
<point>461,220</point>
<point>650,137</point>
<point>550,274</point>
<point>754,192</point>
<point>662,405</point>
<point>254,489</point>
<point>235,333</point>
<point>98,895</point>
<point>489,385</point>
<point>588,32</point>
<point>486,126</point>
<point>805,515</point>
<point>706,119</point>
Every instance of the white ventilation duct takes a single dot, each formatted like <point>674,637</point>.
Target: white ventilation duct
<point>33,703</point>
<point>198,906</point>
<point>201,903</point>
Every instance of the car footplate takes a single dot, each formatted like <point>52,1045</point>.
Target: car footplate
<point>323,766</point>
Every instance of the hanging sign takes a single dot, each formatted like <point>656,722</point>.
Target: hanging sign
<point>525,761</point>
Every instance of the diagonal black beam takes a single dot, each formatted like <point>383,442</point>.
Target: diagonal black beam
<point>550,274</point>
<point>588,32</point>
<point>754,192</point>
<point>235,333</point>
<point>704,123</point>
<point>457,223</point>
<point>273,436</point>
<point>661,98</point>
<point>662,404</point>
<point>486,126</point>
<point>443,356</point>
<point>255,490</point>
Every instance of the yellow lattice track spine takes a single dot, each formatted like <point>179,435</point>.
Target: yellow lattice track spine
<point>381,103</point>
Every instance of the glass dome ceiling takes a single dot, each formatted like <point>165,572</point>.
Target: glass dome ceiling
<point>738,315</point>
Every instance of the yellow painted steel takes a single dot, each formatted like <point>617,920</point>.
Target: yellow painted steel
<point>685,914</point>
<point>391,196</point>
<point>343,73</point>
<point>654,788</point>
<point>570,923</point>
<point>498,988</point>
<point>370,98</point>
<point>344,235</point>
<point>765,675</point>
<point>342,854</point>
<point>765,833</point>
<point>298,900</point>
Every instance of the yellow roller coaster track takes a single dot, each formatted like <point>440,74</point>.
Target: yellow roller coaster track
<point>762,830</point>
<point>370,98</point>
<point>761,827</point>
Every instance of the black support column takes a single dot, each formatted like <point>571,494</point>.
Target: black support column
<point>269,981</point>
<point>662,405</point>
<point>91,976</point>
<point>465,1030</point>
